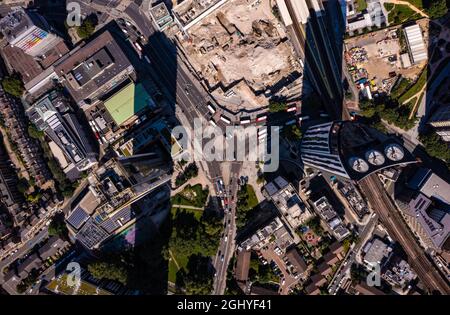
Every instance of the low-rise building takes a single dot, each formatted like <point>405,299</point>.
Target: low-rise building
<point>312,289</point>
<point>259,290</point>
<point>398,273</point>
<point>354,199</point>
<point>33,46</point>
<point>285,198</point>
<point>363,289</point>
<point>10,196</point>
<point>326,212</point>
<point>274,231</point>
<point>325,269</point>
<point>161,16</point>
<point>372,16</point>
<point>51,247</point>
<point>242,265</point>
<point>376,252</point>
<point>32,262</point>
<point>29,150</point>
<point>297,261</point>
<point>416,45</point>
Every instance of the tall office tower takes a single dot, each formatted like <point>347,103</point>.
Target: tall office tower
<point>441,121</point>
<point>317,28</point>
<point>28,31</point>
<point>351,150</point>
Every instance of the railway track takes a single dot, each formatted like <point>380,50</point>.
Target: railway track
<point>393,222</point>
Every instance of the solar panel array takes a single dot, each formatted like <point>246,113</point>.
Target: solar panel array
<point>91,234</point>
<point>123,215</point>
<point>77,217</point>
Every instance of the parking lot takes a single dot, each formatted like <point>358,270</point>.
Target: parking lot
<point>287,279</point>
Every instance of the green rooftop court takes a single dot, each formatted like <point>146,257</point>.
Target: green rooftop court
<point>129,101</point>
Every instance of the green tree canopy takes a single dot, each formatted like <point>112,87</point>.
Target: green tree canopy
<point>86,28</point>
<point>13,85</point>
<point>34,132</point>
<point>198,280</point>
<point>277,107</point>
<point>111,271</point>
<point>293,132</point>
<point>58,226</point>
<point>435,146</point>
<point>437,9</point>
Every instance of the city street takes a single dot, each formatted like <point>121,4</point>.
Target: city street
<point>348,261</point>
<point>192,102</point>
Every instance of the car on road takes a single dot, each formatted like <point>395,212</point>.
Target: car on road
<point>186,91</point>
<point>229,221</point>
<point>225,239</point>
<point>139,47</point>
<point>221,258</point>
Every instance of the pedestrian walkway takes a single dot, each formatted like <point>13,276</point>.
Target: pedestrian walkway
<point>408,4</point>
<point>188,207</point>
<point>199,179</point>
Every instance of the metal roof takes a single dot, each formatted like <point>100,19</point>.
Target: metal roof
<point>416,44</point>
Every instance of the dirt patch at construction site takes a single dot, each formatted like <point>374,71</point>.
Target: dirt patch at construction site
<point>242,53</point>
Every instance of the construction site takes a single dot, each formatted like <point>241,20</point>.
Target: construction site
<point>378,58</point>
<point>243,56</point>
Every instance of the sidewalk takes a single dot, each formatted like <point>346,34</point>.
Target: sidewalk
<point>249,169</point>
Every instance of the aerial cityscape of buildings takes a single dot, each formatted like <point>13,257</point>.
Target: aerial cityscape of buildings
<point>95,172</point>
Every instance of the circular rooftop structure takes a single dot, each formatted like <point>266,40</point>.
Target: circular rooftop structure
<point>358,164</point>
<point>375,157</point>
<point>394,152</point>
<point>351,149</point>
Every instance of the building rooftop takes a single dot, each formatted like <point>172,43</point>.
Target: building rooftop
<point>298,262</point>
<point>51,247</point>
<point>131,100</point>
<point>364,289</point>
<point>441,117</point>
<point>329,215</point>
<point>376,251</point>
<point>416,44</point>
<point>399,273</point>
<point>28,31</point>
<point>287,201</point>
<point>434,221</point>
<point>324,269</point>
<point>32,262</point>
<point>242,265</point>
<point>94,68</point>
<point>24,64</point>
<point>351,150</point>
<point>52,115</point>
